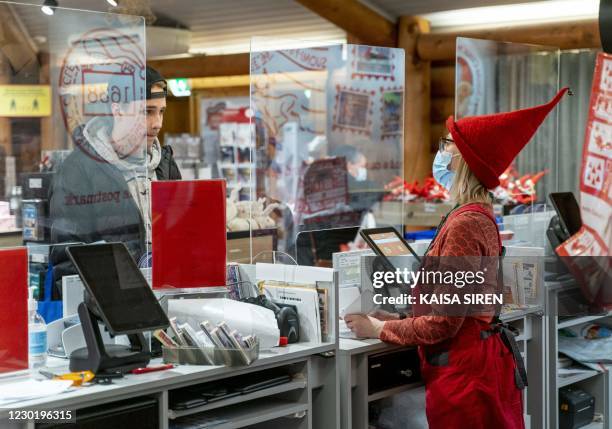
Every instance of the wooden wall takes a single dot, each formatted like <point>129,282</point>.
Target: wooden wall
<point>183,113</point>
<point>439,49</point>
<point>177,117</point>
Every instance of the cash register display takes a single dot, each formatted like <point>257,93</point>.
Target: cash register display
<point>122,293</point>
<point>568,210</point>
<point>390,244</point>
<point>387,242</point>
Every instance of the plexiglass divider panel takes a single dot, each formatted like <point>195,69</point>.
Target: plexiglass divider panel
<point>73,147</point>
<point>494,77</point>
<point>329,138</point>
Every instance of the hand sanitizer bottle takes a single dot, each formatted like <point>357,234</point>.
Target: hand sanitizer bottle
<point>37,329</point>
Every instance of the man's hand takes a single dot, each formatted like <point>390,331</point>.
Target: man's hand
<point>364,326</point>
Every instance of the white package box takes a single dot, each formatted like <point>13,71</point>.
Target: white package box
<point>248,319</point>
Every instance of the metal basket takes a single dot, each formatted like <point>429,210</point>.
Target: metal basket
<point>210,356</point>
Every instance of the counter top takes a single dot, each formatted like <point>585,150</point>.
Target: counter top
<point>147,383</point>
<point>356,346</point>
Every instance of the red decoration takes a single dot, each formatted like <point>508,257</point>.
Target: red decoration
<point>399,189</point>
<point>510,131</point>
<point>515,189</point>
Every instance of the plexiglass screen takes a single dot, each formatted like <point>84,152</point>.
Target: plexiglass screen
<point>494,77</point>
<point>328,140</point>
<point>73,134</point>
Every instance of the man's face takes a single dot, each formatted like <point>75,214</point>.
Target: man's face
<point>156,108</point>
<point>128,128</point>
<point>214,120</point>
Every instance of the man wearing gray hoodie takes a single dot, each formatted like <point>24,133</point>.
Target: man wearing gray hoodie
<point>101,191</point>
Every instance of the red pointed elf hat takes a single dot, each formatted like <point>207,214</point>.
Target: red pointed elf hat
<point>489,143</point>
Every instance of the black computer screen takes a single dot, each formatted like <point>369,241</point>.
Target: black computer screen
<point>568,210</point>
<point>319,245</point>
<point>120,290</point>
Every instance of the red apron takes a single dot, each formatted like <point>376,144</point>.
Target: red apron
<point>470,379</point>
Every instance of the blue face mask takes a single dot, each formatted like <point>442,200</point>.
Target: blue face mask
<point>441,173</point>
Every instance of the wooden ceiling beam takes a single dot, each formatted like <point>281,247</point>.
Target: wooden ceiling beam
<point>356,19</point>
<point>417,104</point>
<point>563,35</point>
<point>15,43</point>
<point>203,66</point>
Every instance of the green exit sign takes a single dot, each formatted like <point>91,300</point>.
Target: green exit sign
<point>180,87</point>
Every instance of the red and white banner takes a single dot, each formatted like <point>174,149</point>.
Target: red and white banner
<point>595,237</point>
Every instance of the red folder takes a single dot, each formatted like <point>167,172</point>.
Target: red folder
<point>13,309</point>
<point>188,233</point>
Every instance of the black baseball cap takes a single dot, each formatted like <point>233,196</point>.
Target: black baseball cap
<point>121,88</point>
<point>153,77</point>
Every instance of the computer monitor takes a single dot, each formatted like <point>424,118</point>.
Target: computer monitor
<point>120,291</point>
<point>567,208</point>
<point>314,247</point>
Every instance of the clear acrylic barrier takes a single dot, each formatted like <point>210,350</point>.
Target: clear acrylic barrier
<point>328,136</point>
<point>73,146</point>
<point>274,257</point>
<point>494,77</point>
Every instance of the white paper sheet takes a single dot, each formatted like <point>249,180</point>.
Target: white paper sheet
<point>24,390</point>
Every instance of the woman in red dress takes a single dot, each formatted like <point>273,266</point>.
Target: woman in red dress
<point>471,376</point>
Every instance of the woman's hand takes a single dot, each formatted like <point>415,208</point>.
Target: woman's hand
<point>384,315</point>
<point>364,326</point>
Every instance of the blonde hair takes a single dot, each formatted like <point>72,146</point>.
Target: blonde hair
<point>467,188</point>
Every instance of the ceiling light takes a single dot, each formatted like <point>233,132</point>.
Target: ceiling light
<point>541,11</point>
<point>48,7</point>
<point>113,3</point>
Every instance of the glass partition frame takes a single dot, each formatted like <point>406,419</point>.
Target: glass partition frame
<point>329,129</point>
<point>75,131</point>
<point>494,77</point>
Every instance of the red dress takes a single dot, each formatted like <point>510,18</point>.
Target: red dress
<point>469,380</point>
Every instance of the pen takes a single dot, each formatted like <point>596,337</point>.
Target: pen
<point>47,374</point>
<point>152,369</point>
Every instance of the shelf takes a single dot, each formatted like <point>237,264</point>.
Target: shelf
<point>236,165</point>
<point>287,387</point>
<point>390,392</point>
<point>252,413</point>
<point>566,381</point>
<point>519,313</point>
<point>594,425</point>
<point>581,320</point>
<point>238,145</point>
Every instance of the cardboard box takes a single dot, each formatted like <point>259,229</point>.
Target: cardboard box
<point>425,214</point>
<point>415,214</point>
<point>239,247</point>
